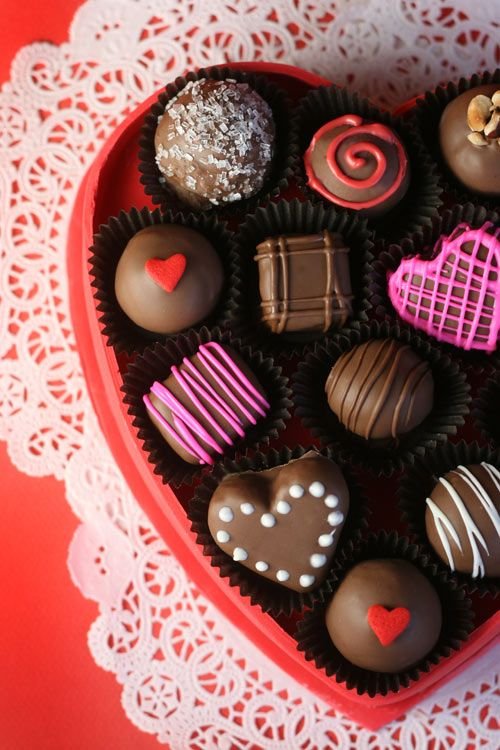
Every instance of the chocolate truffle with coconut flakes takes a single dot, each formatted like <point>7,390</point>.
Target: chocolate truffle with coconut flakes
<point>215,142</point>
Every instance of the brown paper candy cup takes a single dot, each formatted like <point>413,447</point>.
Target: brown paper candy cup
<point>292,218</point>
<point>417,484</point>
<point>155,364</point>
<point>271,597</point>
<point>427,115</point>
<point>281,170</point>
<point>486,409</point>
<point>314,640</point>
<point>422,243</point>
<point>110,242</point>
<point>423,197</point>
<point>451,399</point>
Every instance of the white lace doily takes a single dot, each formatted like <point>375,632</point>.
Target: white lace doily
<point>188,676</point>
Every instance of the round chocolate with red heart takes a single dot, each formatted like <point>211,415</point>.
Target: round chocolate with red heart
<point>168,278</point>
<point>283,523</point>
<point>385,616</point>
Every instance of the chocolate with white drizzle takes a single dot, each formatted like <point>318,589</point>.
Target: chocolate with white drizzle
<point>304,282</point>
<point>283,523</point>
<point>462,520</point>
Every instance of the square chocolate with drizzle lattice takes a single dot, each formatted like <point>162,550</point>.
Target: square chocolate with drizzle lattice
<point>304,282</point>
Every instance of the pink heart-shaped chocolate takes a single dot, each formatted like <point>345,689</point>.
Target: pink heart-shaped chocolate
<point>454,296</point>
<point>283,523</point>
<point>166,272</point>
<point>388,624</point>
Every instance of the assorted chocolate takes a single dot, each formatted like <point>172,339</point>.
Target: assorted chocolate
<point>207,402</point>
<point>385,616</point>
<point>469,139</point>
<point>357,164</point>
<point>380,389</point>
<point>462,519</point>
<point>455,295</point>
<point>304,282</point>
<point>168,278</point>
<point>215,142</point>
<point>283,523</point>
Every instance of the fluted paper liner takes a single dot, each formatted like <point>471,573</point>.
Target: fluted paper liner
<point>314,640</point>
<point>281,170</point>
<point>422,243</point>
<point>109,243</point>
<point>486,409</point>
<point>271,597</point>
<point>293,218</point>
<point>155,364</point>
<point>423,197</point>
<point>451,399</point>
<point>427,115</point>
<point>416,486</point>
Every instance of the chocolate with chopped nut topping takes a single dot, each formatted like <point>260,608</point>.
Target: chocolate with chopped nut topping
<point>215,142</point>
<point>469,136</point>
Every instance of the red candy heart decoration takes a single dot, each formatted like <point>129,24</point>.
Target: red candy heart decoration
<point>454,296</point>
<point>388,624</point>
<point>166,272</point>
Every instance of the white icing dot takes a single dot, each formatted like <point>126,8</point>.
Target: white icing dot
<point>267,520</point>
<point>261,566</point>
<point>239,554</point>
<point>335,518</point>
<point>317,489</point>
<point>331,501</point>
<point>317,561</point>
<point>226,514</point>
<point>247,508</point>
<point>282,575</point>
<point>306,580</point>
<point>283,507</point>
<point>325,540</point>
<point>296,491</point>
<point>222,537</point>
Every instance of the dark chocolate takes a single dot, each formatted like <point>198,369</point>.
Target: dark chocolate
<point>462,520</point>
<point>358,164</point>
<point>469,138</point>
<point>168,278</point>
<point>304,282</point>
<point>215,142</point>
<point>206,403</point>
<point>380,389</point>
<point>385,616</point>
<point>283,523</point>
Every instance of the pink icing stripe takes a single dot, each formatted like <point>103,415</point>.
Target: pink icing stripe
<point>449,261</point>
<point>187,429</point>
<point>355,159</point>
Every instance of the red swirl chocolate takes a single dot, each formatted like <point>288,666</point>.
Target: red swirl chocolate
<point>462,519</point>
<point>380,389</point>
<point>358,164</point>
<point>304,282</point>
<point>283,523</point>
<point>168,278</point>
<point>206,403</point>
<point>385,616</point>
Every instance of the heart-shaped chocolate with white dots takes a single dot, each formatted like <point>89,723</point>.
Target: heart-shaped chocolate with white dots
<point>283,523</point>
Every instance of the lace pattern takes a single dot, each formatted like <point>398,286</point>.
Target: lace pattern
<point>188,676</point>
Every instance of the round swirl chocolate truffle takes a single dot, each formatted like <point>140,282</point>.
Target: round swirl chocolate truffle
<point>380,389</point>
<point>469,138</point>
<point>168,278</point>
<point>215,142</point>
<point>358,164</point>
<point>462,519</point>
<point>385,616</point>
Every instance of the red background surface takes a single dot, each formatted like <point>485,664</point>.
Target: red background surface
<point>52,694</point>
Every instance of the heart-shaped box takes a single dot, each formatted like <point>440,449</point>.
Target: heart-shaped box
<point>112,184</point>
